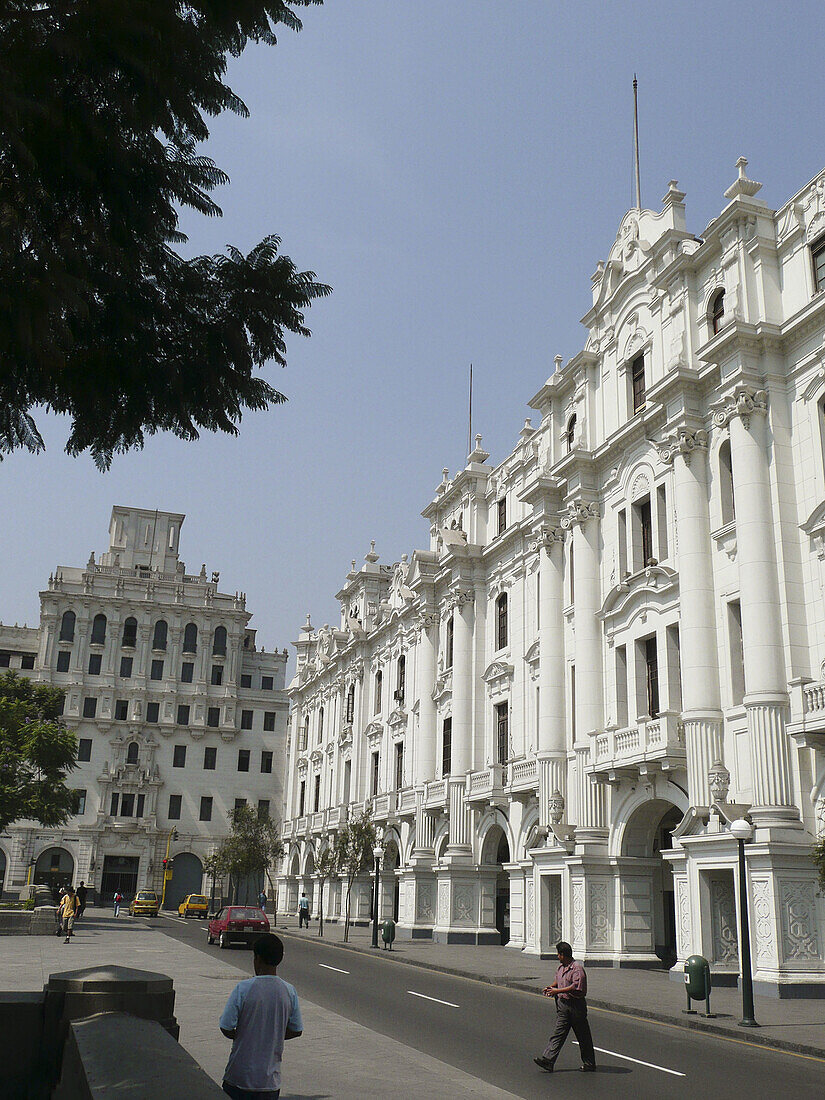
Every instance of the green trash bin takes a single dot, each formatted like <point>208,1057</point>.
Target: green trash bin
<point>388,933</point>
<point>697,983</point>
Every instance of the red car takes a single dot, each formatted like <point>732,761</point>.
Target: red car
<point>237,924</point>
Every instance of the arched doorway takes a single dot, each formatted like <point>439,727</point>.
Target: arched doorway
<point>187,878</point>
<point>308,882</point>
<point>649,832</point>
<point>494,853</point>
<point>54,868</point>
<point>392,885</point>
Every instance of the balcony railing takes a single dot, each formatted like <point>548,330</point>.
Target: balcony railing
<point>317,822</point>
<point>383,805</point>
<point>286,830</point>
<point>650,741</point>
<point>487,784</point>
<point>524,775</point>
<point>807,724</point>
<point>435,794</point>
<point>407,801</point>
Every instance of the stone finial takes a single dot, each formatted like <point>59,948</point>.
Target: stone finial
<point>90,564</point>
<point>371,557</point>
<point>445,474</point>
<point>308,627</point>
<point>742,185</point>
<point>555,807</point>
<point>673,194</point>
<point>718,782</point>
<point>558,360</point>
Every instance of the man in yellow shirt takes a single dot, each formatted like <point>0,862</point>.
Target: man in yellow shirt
<point>67,911</point>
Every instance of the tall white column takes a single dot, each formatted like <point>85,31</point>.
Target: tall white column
<point>552,737</point>
<point>427,739</point>
<point>766,691</point>
<point>701,704</point>
<point>462,719</point>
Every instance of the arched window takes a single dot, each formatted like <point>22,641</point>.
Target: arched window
<point>402,679</point>
<point>132,752</point>
<point>219,642</point>
<point>379,683</point>
<point>98,630</point>
<point>726,490</point>
<point>501,621</point>
<point>350,712</point>
<point>190,638</point>
<point>129,633</point>
<point>717,311</point>
<point>159,637</point>
<point>448,646</point>
<point>320,724</point>
<point>67,627</point>
<point>570,433</point>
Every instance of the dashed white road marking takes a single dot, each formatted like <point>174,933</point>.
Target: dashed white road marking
<point>638,1061</point>
<point>437,1000</point>
<point>335,968</point>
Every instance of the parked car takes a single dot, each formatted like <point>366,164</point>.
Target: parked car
<point>237,924</point>
<point>194,905</point>
<point>145,903</point>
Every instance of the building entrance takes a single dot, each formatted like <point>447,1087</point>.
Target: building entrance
<point>54,868</point>
<point>496,851</point>
<point>119,873</point>
<point>648,833</point>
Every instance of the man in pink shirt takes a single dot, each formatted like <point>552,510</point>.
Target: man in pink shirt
<point>570,991</point>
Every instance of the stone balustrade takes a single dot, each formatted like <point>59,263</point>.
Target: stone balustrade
<point>649,742</point>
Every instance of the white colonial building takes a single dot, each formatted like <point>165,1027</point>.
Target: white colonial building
<point>614,646</point>
<point>179,715</point>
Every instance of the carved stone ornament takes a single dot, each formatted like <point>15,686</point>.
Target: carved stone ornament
<point>718,782</point>
<point>458,597</point>
<point>683,443</point>
<point>546,537</point>
<point>578,512</point>
<point>744,403</point>
<point>555,808</point>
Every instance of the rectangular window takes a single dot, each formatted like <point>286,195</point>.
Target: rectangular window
<point>243,760</point>
<point>263,807</point>
<point>174,807</point>
<point>141,805</point>
<point>266,683</point>
<point>737,653</point>
<point>302,795</point>
<point>269,721</point>
<point>114,805</point>
<point>126,668</point>
<point>217,675</point>
<point>5,660</point>
<point>266,762</point>
<point>179,756</point>
<point>246,680</point>
<point>621,539</point>
<point>652,676</point>
<point>152,712</point>
<point>89,706</point>
<point>502,515</point>
<point>573,701</point>
<point>121,710</point>
<point>213,717</point>
<point>399,765</point>
<point>347,780</point>
<point>446,747</point>
<point>637,382</point>
<point>127,805</point>
<point>63,658</point>
<point>502,719</point>
<point>79,802</point>
<point>621,686</point>
<point>239,803</point>
<point>84,749</point>
<point>156,672</point>
<point>27,660</point>
<point>316,797</point>
<point>661,521</point>
<point>818,257</point>
<point>187,671</point>
<point>450,643</point>
<point>379,683</point>
<point>206,808</point>
<point>210,758</point>
<point>376,764</point>
<point>246,719</point>
<point>95,660</point>
<point>642,534</point>
<point>183,714</point>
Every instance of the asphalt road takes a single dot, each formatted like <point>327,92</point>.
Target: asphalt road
<point>493,1033</point>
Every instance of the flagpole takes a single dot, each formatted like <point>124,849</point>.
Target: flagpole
<point>636,139</point>
<point>470,432</point>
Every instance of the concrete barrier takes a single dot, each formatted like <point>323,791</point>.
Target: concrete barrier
<point>22,1071</point>
<point>28,922</point>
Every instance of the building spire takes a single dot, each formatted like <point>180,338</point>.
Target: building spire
<point>636,140</point>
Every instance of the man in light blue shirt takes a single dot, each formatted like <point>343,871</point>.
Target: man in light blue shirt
<point>261,1013</point>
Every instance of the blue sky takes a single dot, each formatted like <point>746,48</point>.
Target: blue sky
<point>454,170</point>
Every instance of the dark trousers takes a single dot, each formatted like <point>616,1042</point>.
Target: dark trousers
<point>571,1015</point>
<point>303,915</point>
<point>245,1094</point>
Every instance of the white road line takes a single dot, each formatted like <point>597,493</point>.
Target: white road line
<point>335,968</point>
<point>424,997</point>
<point>638,1061</point>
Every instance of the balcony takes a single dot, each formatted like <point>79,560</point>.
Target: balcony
<point>287,830</point>
<point>488,786</point>
<point>336,817</point>
<point>524,777</point>
<point>807,725</point>
<point>317,822</point>
<point>301,826</point>
<point>407,802</point>
<point>651,744</point>
<point>383,806</point>
<point>436,795</point>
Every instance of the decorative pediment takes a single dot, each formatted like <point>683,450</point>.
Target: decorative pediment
<point>303,765</point>
<point>498,677</point>
<point>398,719</point>
<point>317,758</point>
<point>443,686</point>
<point>622,597</point>
<point>531,657</point>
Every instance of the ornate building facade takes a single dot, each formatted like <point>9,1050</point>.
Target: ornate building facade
<point>179,715</point>
<point>614,646</point>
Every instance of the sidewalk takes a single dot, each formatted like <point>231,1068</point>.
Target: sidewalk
<point>794,1024</point>
<point>202,985</point>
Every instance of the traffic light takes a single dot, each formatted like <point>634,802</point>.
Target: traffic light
<point>165,864</point>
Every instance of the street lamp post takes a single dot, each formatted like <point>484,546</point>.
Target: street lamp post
<point>742,830</point>
<point>173,833</point>
<point>377,852</point>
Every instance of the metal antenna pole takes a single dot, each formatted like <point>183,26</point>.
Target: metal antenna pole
<point>470,432</point>
<point>636,139</point>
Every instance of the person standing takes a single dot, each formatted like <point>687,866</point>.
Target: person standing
<point>260,1015</point>
<point>262,901</point>
<point>81,900</point>
<point>570,991</point>
<point>68,911</point>
<point>118,900</point>
<point>303,910</point>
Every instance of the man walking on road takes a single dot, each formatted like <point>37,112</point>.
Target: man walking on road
<point>262,901</point>
<point>68,911</point>
<point>260,1015</point>
<point>570,991</point>
<point>303,910</point>
<point>81,900</point>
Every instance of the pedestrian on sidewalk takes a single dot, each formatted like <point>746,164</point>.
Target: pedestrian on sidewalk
<point>81,900</point>
<point>68,912</point>
<point>262,901</point>
<point>118,899</point>
<point>570,990</point>
<point>260,1015</point>
<point>303,910</point>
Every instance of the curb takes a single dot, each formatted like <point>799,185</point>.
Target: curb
<point>780,1045</point>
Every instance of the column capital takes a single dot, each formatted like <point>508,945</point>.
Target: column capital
<point>684,443</point>
<point>744,402</point>
<point>426,617</point>
<point>545,536</point>
<point>578,513</point>
<point>458,597</point>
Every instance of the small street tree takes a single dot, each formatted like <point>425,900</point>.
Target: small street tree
<point>324,869</point>
<point>252,847</point>
<point>353,855</point>
<point>37,753</point>
<point>818,856</point>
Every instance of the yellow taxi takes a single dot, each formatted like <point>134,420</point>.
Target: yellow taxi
<point>145,903</point>
<point>194,905</point>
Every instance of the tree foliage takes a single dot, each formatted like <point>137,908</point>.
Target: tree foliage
<point>325,867</point>
<point>37,753</point>
<point>353,854</point>
<point>818,857</point>
<point>102,107</point>
<point>252,848</point>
